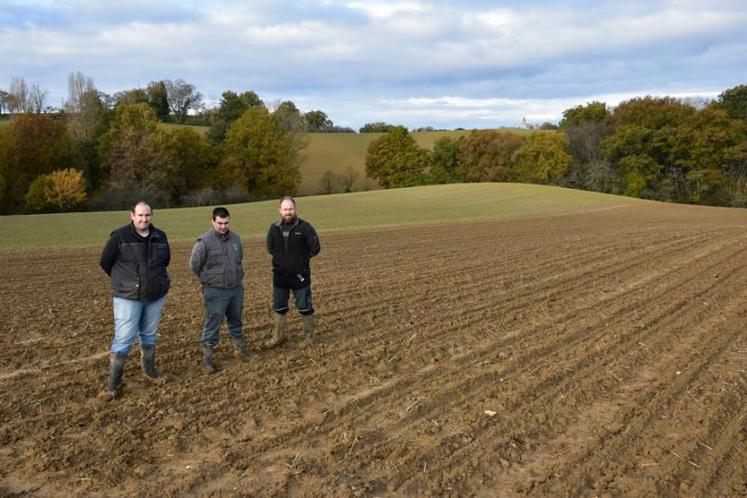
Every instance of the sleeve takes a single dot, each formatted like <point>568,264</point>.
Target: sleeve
<point>109,254</point>
<point>269,239</point>
<point>197,258</point>
<point>312,239</point>
<point>168,250</point>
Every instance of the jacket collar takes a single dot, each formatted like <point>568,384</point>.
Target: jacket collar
<point>295,223</point>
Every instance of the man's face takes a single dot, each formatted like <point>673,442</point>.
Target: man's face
<point>142,217</point>
<point>287,210</point>
<point>221,224</point>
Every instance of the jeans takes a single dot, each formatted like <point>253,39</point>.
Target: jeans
<point>135,319</point>
<point>221,303</point>
<point>302,297</point>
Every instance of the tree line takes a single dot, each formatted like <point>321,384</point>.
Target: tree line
<point>659,148</point>
<point>100,151</point>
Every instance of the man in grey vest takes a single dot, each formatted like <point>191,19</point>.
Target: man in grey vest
<point>216,260</point>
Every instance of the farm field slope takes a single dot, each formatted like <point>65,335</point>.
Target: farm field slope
<point>591,352</point>
<point>340,211</point>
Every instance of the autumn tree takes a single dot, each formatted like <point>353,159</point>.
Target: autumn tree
<point>61,190</point>
<point>135,152</point>
<point>542,158</point>
<point>734,102</point>
<point>289,117</point>
<point>396,160</point>
<point>487,156</point>
<point>33,145</point>
<point>269,155</point>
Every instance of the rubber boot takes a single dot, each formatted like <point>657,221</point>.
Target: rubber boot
<point>207,359</point>
<point>116,370</point>
<point>239,348</point>
<point>281,323</point>
<point>308,328</point>
<point>148,362</point>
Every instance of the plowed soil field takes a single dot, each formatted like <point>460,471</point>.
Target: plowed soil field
<point>600,354</point>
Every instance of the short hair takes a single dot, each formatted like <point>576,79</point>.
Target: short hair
<point>220,212</point>
<point>132,209</point>
<point>288,198</point>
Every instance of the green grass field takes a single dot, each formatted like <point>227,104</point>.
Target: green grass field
<point>415,205</point>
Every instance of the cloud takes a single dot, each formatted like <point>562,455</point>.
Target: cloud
<point>359,61</point>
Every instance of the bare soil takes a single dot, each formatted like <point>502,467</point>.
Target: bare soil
<point>602,354</point>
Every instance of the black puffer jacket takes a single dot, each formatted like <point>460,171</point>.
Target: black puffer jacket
<point>291,255</point>
<point>137,265</point>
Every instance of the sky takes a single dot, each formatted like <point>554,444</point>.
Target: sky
<point>445,64</point>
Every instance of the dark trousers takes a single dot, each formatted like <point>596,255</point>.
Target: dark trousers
<point>302,297</point>
<point>221,303</point>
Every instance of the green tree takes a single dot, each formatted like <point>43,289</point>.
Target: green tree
<point>655,113</point>
<point>396,160</point>
<point>542,158</point>
<point>232,106</point>
<point>194,160</point>
<point>592,112</point>
<point>377,127</point>
<point>488,156</point>
<point>734,102</point>
<point>317,121</point>
<point>445,161</point>
<point>289,117</point>
<point>269,155</point>
<point>702,148</point>
<point>86,127</point>
<point>158,98</point>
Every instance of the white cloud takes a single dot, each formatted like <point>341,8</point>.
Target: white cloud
<point>385,10</point>
<point>359,61</point>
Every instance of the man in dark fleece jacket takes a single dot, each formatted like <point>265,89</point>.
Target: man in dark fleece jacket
<point>292,243</point>
<point>136,257</point>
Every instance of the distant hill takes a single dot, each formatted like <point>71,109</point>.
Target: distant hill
<point>338,151</point>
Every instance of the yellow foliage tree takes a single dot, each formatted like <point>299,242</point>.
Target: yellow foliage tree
<point>60,190</point>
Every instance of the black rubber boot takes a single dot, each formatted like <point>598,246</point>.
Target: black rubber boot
<point>240,351</point>
<point>148,357</point>
<point>116,370</point>
<point>207,358</point>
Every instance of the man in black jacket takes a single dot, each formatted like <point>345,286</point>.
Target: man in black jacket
<point>292,243</point>
<point>136,257</point>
